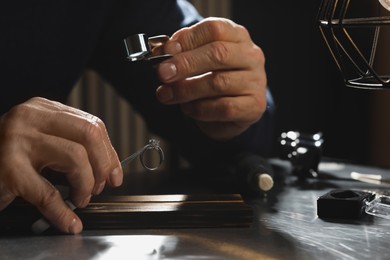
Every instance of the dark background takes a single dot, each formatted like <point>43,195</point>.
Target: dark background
<point>306,84</point>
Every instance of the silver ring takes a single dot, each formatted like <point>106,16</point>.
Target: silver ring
<point>152,147</point>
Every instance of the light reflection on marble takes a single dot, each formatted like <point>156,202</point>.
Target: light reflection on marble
<point>286,226</point>
<point>136,247</point>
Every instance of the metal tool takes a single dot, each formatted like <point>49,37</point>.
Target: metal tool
<point>41,225</point>
<point>140,47</point>
<point>153,144</point>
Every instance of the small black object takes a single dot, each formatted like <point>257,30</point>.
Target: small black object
<point>343,204</point>
<point>303,151</point>
<point>243,172</point>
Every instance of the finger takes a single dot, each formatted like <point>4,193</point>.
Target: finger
<point>69,158</point>
<point>92,134</point>
<point>6,198</point>
<point>244,109</point>
<point>90,131</point>
<point>49,202</point>
<point>209,30</point>
<point>213,56</point>
<point>45,197</point>
<point>171,47</point>
<point>213,44</point>
<point>214,84</point>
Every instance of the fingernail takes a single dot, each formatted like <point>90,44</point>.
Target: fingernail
<point>115,177</point>
<point>178,47</point>
<point>164,94</point>
<point>100,188</point>
<point>75,227</point>
<point>167,71</point>
<point>173,48</point>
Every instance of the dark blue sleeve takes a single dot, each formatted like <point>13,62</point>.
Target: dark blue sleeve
<point>137,83</point>
<point>257,139</point>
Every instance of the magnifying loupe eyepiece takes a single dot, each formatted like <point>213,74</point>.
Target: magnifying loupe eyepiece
<point>139,47</point>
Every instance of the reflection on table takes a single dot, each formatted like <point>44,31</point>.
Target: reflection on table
<point>285,226</point>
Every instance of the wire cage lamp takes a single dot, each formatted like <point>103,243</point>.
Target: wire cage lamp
<point>364,65</point>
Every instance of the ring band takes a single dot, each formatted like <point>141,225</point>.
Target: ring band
<point>152,147</point>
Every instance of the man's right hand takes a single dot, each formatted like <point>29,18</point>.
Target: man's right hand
<point>42,134</point>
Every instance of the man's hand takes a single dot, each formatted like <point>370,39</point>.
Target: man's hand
<point>217,76</point>
<point>41,134</point>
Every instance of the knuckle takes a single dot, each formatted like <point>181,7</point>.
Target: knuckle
<point>258,53</point>
<point>216,27</point>
<point>18,110</point>
<point>261,105</point>
<point>77,153</point>
<point>48,198</point>
<point>11,121</point>
<point>78,158</point>
<point>257,110</point>
<point>7,128</point>
<point>99,122</point>
<point>80,174</point>
<point>219,53</point>
<point>37,100</point>
<point>241,30</point>
<point>186,64</point>
<point>228,109</point>
<point>220,82</point>
<point>92,129</point>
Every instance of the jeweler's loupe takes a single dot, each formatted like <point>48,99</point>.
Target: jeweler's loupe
<point>140,47</point>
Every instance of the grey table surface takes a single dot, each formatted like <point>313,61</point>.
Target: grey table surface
<point>286,226</point>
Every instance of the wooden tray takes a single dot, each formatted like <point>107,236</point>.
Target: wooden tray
<point>144,211</point>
